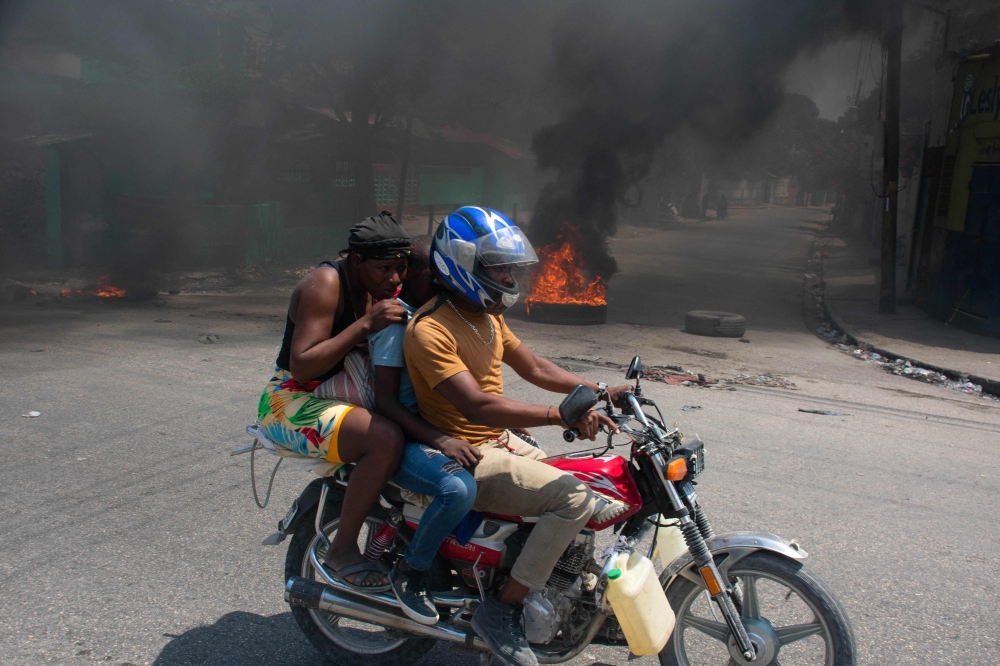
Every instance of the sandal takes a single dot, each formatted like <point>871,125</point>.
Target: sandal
<point>362,567</point>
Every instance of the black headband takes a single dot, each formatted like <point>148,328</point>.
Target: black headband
<point>379,237</point>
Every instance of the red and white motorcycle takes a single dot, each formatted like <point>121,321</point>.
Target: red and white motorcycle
<point>739,598</point>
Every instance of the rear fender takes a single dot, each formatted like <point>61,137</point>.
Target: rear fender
<point>727,550</point>
<point>303,506</point>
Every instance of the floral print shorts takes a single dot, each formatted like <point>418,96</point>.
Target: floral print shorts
<point>291,416</point>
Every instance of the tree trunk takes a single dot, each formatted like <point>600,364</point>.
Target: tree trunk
<point>362,135</point>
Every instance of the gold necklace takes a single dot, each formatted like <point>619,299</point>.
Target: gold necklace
<point>474,329</point>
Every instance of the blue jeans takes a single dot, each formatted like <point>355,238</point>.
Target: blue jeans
<point>427,471</point>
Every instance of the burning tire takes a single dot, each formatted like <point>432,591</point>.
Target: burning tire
<point>715,324</point>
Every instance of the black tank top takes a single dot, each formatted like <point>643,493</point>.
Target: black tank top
<point>347,317</point>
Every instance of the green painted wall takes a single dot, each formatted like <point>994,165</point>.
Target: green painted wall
<point>267,226</point>
<point>451,188</point>
<point>310,242</point>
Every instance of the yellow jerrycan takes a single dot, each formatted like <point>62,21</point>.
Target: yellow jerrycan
<point>669,544</point>
<point>640,605</point>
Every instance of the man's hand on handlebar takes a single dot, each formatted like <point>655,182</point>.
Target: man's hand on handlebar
<point>615,393</point>
<point>590,424</point>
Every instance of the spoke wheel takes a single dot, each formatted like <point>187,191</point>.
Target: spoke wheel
<point>358,637</point>
<point>340,639</point>
<point>792,618</point>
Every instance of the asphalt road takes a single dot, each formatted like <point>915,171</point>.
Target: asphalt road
<point>128,536</point>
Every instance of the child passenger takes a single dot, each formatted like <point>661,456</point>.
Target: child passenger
<point>433,464</point>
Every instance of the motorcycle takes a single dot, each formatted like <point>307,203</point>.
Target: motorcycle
<point>739,598</point>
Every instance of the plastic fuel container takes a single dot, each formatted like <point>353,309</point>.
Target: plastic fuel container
<point>669,544</point>
<point>640,605</point>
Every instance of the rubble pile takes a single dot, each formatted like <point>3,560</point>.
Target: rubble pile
<point>768,380</point>
<point>669,374</point>
<point>905,368</point>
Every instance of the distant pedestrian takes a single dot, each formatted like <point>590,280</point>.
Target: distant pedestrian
<point>722,208</point>
<point>704,206</point>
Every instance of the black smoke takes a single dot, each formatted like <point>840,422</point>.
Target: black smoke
<point>630,75</point>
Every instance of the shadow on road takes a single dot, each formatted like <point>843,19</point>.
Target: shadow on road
<point>247,639</point>
<point>241,639</point>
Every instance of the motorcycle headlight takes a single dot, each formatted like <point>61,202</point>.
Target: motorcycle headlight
<point>694,452</point>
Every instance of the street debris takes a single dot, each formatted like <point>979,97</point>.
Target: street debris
<point>32,415</point>
<point>823,412</point>
<point>829,332</point>
<point>208,339</point>
<point>690,408</point>
<point>744,340</point>
<point>905,368</point>
<point>768,380</point>
<point>666,374</point>
<point>899,366</point>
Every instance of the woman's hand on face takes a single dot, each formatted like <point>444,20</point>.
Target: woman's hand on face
<point>384,313</point>
<point>461,452</point>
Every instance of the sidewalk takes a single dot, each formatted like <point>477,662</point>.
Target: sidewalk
<point>851,292</point>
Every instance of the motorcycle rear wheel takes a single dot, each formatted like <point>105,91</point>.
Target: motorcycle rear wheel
<point>780,594</point>
<point>343,641</point>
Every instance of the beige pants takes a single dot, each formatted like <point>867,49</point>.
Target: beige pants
<point>512,481</point>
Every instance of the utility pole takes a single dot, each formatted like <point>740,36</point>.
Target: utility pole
<point>890,168</point>
<point>402,171</point>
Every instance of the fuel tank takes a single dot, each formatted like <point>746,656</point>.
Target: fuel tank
<point>611,480</point>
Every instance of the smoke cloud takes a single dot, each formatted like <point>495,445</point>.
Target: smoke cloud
<point>180,101</point>
<point>630,75</point>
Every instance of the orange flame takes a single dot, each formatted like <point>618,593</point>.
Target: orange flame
<point>104,290</point>
<point>559,278</point>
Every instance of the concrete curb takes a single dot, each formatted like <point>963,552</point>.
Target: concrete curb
<point>991,386</point>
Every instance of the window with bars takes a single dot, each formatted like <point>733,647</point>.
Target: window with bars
<point>343,175</point>
<point>387,185</point>
<point>297,171</point>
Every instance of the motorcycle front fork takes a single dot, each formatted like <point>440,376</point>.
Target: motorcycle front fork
<point>696,529</point>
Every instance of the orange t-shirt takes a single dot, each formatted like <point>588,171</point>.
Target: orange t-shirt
<point>440,345</point>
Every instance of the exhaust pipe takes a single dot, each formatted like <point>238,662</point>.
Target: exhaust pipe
<point>319,596</point>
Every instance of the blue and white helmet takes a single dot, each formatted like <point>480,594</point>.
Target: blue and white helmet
<point>470,239</point>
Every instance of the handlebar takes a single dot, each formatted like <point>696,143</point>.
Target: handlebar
<point>571,434</point>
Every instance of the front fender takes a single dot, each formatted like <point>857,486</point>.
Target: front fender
<point>727,550</point>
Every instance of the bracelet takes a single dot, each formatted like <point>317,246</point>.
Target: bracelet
<point>547,416</point>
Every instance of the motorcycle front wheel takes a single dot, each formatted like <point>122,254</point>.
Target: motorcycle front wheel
<point>792,616</point>
<point>344,641</point>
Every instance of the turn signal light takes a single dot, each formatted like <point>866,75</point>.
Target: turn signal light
<point>677,469</point>
<point>710,581</point>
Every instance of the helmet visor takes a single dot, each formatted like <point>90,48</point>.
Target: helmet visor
<point>508,245</point>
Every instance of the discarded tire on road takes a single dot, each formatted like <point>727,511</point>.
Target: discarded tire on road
<point>715,324</point>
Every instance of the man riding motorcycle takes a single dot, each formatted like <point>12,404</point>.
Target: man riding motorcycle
<point>454,348</point>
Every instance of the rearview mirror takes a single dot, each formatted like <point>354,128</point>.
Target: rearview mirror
<point>576,404</point>
<point>634,369</point>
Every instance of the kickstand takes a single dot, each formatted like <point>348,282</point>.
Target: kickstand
<point>475,573</point>
<point>319,516</point>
